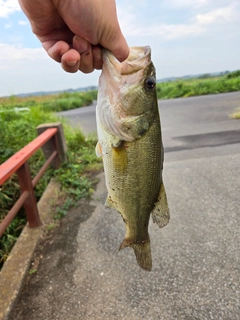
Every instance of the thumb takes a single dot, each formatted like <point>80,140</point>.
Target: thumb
<point>118,46</point>
<point>114,41</point>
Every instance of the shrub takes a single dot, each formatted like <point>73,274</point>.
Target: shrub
<point>234,74</point>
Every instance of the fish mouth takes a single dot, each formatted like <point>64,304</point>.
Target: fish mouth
<point>139,58</point>
<point>118,92</point>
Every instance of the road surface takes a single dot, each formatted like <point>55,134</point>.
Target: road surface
<point>196,258</point>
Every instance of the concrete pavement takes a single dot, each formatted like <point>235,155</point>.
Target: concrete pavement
<point>196,258</point>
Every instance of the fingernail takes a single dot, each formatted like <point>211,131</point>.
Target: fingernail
<point>71,63</point>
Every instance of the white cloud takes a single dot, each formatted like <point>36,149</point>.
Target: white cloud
<point>173,28</point>
<point>23,22</point>
<point>132,27</point>
<point>226,14</point>
<point>126,18</point>
<point>7,7</point>
<point>7,26</point>
<point>178,31</point>
<point>167,32</point>
<point>191,26</point>
<point>187,3</point>
<point>16,54</point>
<point>30,70</point>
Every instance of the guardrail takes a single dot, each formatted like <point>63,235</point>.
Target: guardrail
<point>51,140</point>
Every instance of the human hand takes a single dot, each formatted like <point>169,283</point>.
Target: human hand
<point>73,31</point>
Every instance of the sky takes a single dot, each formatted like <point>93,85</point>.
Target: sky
<point>186,37</point>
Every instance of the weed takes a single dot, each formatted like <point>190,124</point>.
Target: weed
<point>235,115</point>
<point>62,211</point>
<point>10,236</point>
<point>32,271</point>
<point>51,226</point>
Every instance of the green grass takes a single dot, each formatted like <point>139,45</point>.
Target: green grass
<point>203,85</point>
<point>54,103</point>
<point>17,130</point>
<point>197,87</point>
<point>68,101</point>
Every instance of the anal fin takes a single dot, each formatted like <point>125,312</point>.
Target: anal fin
<point>160,213</point>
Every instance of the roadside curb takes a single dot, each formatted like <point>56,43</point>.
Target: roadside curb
<point>16,267</point>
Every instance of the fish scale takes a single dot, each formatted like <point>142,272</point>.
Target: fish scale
<point>130,144</point>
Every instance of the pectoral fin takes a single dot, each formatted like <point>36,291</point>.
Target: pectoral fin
<point>119,158</point>
<point>160,213</point>
<point>98,150</point>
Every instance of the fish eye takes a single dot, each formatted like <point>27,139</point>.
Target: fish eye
<point>150,83</point>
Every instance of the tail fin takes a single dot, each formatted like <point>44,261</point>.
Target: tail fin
<point>142,252</point>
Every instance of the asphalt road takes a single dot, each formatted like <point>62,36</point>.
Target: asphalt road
<point>82,118</point>
<point>196,258</point>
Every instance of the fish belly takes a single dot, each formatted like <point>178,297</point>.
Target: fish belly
<point>133,173</point>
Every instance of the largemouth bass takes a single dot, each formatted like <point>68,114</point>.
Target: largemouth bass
<point>130,143</point>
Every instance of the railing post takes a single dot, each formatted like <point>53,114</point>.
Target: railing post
<point>57,142</point>
<point>55,146</point>
<point>30,205</point>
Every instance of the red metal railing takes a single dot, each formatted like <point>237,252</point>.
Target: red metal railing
<point>18,164</point>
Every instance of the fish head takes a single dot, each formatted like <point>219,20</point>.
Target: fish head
<point>127,94</point>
